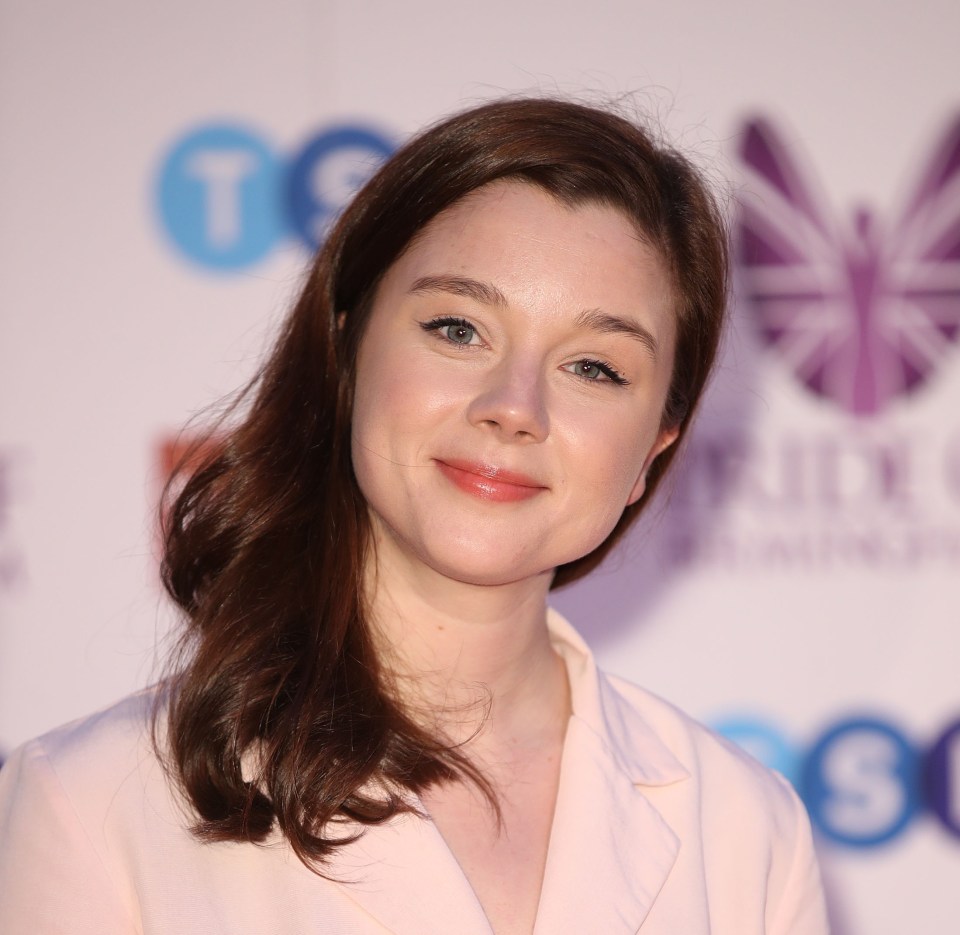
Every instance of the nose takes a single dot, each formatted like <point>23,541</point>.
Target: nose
<point>512,402</point>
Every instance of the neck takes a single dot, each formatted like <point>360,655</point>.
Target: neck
<point>471,661</point>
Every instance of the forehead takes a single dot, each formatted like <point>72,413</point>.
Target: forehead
<point>523,240</point>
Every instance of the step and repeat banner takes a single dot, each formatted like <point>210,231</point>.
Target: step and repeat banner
<point>165,174</point>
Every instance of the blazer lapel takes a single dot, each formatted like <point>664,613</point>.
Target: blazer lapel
<point>610,850</point>
<point>404,875</point>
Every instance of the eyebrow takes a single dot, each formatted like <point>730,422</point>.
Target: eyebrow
<point>482,292</point>
<point>597,320</point>
<point>488,294</point>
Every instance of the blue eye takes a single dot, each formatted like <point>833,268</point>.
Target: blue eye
<point>460,333</point>
<point>588,369</point>
<point>597,371</point>
<point>454,330</point>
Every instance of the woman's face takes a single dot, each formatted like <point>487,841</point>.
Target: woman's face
<point>509,387</point>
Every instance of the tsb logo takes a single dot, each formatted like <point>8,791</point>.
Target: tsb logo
<point>862,780</point>
<point>225,197</point>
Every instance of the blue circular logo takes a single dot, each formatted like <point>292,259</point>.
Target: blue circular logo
<point>861,783</point>
<point>219,196</point>
<point>327,173</point>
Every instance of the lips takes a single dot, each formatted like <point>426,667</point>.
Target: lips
<point>488,482</point>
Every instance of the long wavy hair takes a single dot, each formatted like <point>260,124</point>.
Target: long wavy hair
<point>278,713</point>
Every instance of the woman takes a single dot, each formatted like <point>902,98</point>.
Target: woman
<point>377,725</point>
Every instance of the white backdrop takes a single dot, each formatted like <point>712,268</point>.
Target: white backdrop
<point>806,569</point>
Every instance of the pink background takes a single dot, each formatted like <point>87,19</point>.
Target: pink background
<point>813,595</point>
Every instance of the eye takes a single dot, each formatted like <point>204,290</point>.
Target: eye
<point>454,330</point>
<point>596,371</point>
<point>588,369</point>
<point>460,333</point>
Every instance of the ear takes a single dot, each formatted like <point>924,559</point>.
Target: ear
<point>665,439</point>
<point>341,320</point>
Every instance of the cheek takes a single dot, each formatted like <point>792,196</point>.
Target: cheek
<point>384,389</point>
<point>612,477</point>
<point>400,400</point>
<point>610,450</point>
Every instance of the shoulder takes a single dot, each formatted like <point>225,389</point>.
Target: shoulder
<point>95,753</point>
<point>693,743</point>
<point>97,780</point>
<point>120,728</point>
<point>741,822</point>
<point>74,805</point>
<point>720,770</point>
<point>658,744</point>
<point>93,771</point>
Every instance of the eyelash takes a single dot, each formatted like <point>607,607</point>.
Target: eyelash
<point>435,324</point>
<point>607,369</point>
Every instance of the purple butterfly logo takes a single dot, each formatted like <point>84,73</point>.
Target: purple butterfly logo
<point>861,315</point>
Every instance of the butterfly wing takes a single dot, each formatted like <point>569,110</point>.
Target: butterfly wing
<point>789,254</point>
<point>920,313</point>
<point>860,318</point>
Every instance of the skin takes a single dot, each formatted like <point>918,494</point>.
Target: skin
<point>493,441</point>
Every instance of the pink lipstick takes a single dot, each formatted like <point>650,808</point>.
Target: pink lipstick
<point>490,483</point>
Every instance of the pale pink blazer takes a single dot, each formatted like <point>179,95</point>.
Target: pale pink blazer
<point>660,828</point>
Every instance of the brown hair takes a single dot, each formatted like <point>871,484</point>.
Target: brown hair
<point>280,713</point>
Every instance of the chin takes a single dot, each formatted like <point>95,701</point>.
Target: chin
<point>487,565</point>
<point>491,565</point>
<point>492,577</point>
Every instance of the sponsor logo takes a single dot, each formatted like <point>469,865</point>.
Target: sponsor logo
<point>863,780</point>
<point>861,313</point>
<point>226,198</point>
<point>820,501</point>
<point>866,320</point>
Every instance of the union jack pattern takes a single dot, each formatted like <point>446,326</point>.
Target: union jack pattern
<point>860,315</point>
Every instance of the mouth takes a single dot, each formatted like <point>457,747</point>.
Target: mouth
<point>488,482</point>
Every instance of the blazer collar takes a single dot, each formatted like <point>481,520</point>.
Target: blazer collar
<point>610,848</point>
<point>629,739</point>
